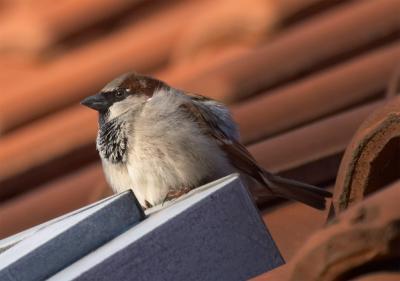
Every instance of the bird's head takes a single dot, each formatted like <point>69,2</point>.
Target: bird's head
<point>129,91</point>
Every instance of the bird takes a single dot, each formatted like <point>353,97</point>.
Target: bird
<point>161,142</point>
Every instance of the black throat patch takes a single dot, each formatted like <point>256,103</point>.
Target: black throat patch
<point>112,141</point>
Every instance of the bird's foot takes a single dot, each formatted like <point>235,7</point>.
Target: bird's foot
<point>173,194</point>
<point>147,205</point>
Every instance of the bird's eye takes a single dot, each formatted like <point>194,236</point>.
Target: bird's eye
<point>119,93</point>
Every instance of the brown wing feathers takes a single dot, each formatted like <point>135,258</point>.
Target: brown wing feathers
<point>246,164</point>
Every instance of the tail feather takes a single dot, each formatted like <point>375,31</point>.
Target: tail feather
<point>298,191</point>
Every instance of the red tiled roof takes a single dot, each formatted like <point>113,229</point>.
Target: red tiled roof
<point>299,76</point>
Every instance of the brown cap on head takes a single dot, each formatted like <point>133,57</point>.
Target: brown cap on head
<point>118,89</point>
<point>134,83</point>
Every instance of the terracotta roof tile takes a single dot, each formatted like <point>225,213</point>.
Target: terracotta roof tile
<point>371,160</point>
<point>319,95</point>
<point>63,195</point>
<point>322,40</point>
<point>361,236</point>
<point>300,85</point>
<point>32,27</point>
<point>35,153</point>
<point>312,142</point>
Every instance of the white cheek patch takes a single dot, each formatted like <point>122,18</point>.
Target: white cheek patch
<point>120,107</point>
<point>131,103</point>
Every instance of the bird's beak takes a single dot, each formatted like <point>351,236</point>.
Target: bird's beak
<point>97,102</point>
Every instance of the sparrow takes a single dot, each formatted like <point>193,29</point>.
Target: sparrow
<point>162,142</point>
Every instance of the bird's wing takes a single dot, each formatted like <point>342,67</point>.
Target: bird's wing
<point>215,120</point>
<point>215,114</point>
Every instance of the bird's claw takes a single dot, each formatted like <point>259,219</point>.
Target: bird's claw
<point>173,194</point>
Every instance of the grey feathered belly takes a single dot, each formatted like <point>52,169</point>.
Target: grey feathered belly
<point>156,166</point>
<point>173,159</point>
<point>157,169</point>
<point>159,154</point>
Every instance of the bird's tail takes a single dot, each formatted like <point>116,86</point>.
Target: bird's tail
<point>298,191</point>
